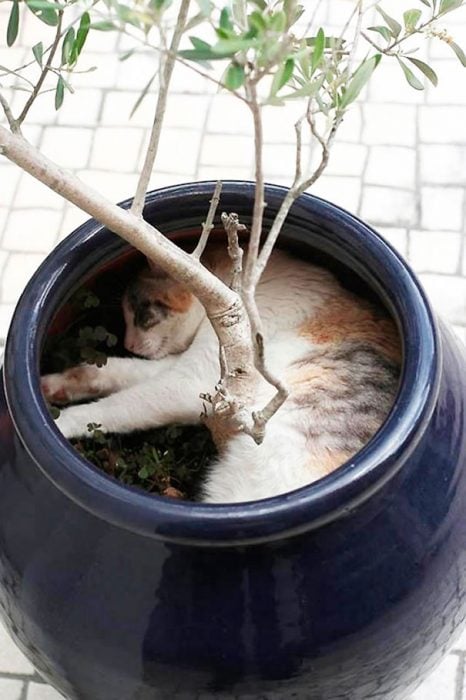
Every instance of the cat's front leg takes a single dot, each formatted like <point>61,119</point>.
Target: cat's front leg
<point>172,397</point>
<point>90,382</point>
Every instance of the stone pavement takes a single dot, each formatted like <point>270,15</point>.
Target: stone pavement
<point>399,163</point>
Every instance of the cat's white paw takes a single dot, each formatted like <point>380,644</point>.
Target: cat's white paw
<point>74,384</point>
<point>73,422</point>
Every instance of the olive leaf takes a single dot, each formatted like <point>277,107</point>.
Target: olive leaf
<point>410,77</point>
<point>359,80</point>
<point>13,24</point>
<point>424,68</point>
<point>392,23</point>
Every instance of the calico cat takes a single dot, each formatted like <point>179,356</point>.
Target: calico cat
<point>339,355</point>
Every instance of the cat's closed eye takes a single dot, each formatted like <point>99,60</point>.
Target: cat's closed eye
<point>149,313</point>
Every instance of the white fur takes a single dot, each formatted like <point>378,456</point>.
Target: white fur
<point>144,393</point>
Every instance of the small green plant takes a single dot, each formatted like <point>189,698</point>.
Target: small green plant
<point>169,461</point>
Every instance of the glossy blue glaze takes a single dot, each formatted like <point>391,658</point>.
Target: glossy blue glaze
<point>351,588</point>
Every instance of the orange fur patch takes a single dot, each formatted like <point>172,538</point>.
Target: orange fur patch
<point>350,319</point>
<point>329,461</point>
<point>176,299</point>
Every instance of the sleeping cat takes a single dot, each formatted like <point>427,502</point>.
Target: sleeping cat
<point>338,354</point>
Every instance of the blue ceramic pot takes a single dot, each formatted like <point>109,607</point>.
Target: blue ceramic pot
<point>351,588</point>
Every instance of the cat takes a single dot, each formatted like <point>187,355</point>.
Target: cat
<point>338,353</point>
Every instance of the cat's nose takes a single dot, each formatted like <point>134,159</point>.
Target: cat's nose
<point>129,343</point>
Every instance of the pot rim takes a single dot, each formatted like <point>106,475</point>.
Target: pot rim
<point>307,508</point>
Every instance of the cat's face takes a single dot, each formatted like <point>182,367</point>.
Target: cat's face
<point>161,316</point>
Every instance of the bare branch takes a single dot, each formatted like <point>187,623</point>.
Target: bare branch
<point>261,418</point>
<point>165,77</point>
<point>208,224</point>
<point>294,192</point>
<point>9,115</point>
<point>232,226</point>
<point>299,147</point>
<point>45,70</point>
<point>357,34</point>
<point>259,203</point>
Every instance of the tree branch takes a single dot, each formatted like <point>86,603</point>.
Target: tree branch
<point>165,77</point>
<point>232,226</point>
<point>259,203</point>
<point>208,224</point>
<point>45,71</point>
<point>9,115</point>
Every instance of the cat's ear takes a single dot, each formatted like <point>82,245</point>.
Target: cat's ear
<point>155,269</point>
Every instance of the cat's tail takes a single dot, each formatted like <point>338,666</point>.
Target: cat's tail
<point>248,472</point>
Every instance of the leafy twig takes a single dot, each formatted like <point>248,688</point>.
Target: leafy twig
<point>45,70</point>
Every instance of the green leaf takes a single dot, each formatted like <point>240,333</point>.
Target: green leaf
<point>261,4</point>
<point>383,31</point>
<point>424,68</point>
<point>359,80</point>
<point>204,55</point>
<point>331,42</point>
<point>235,76</point>
<point>231,46</point>
<point>225,19</point>
<point>411,18</point>
<point>278,21</point>
<point>410,77</point>
<point>38,52</point>
<point>45,11</point>
<point>142,95</point>
<point>449,5</point>
<point>459,51</point>
<point>67,46</point>
<point>200,44</point>
<point>426,3</point>
<point>104,26</point>
<point>308,90</point>
<point>13,24</point>
<point>81,36</point>
<point>395,26</point>
<point>257,21</point>
<point>59,93</point>
<point>318,52</point>
<point>282,76</point>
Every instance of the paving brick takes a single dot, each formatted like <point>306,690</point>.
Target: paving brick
<point>443,164</point>
<point>31,234</point>
<point>178,151</point>
<point>397,237</point>
<point>69,147</point>
<point>389,124</point>
<point>9,178</point>
<point>447,294</point>
<point>115,186</point>
<point>39,691</point>
<point>344,191</point>
<point>118,105</point>
<point>12,659</point>
<point>227,116</point>
<point>391,165</point>
<point>11,689</point>
<point>116,149</point>
<point>441,685</point>
<point>224,172</point>
<point>435,251</point>
<point>389,85</point>
<point>442,208</point>
<point>442,124</point>
<point>447,92</point>
<point>81,109</point>
<point>6,313</point>
<point>18,270</point>
<point>32,193</point>
<point>236,151</point>
<point>345,159</point>
<point>383,205</point>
